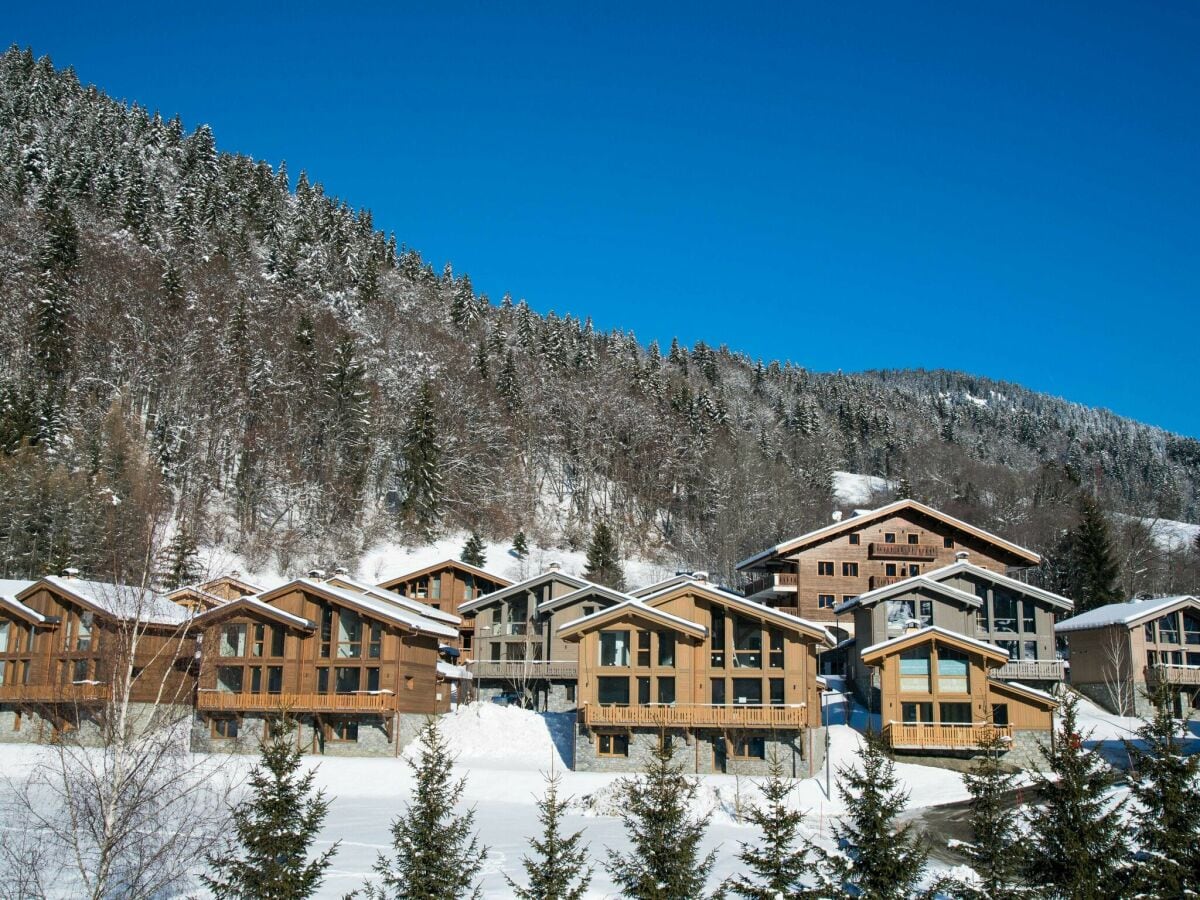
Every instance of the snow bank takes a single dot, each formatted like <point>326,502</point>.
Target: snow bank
<point>854,490</point>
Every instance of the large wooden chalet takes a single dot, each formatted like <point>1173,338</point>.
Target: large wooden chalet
<point>447,586</point>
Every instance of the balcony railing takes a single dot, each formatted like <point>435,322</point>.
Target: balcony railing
<point>225,701</point>
<point>1031,670</point>
<point>883,550</point>
<point>55,693</point>
<point>503,629</point>
<point>878,581</point>
<point>695,715</point>
<point>942,736</point>
<point>772,582</point>
<point>1172,674</point>
<point>520,669</point>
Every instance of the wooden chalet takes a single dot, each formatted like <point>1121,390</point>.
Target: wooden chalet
<point>446,586</point>
<point>726,676</point>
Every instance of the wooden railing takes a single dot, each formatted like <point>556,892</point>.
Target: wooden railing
<point>223,701</point>
<point>943,736</point>
<point>695,716</point>
<point>1031,669</point>
<point>55,693</point>
<point>519,669</point>
<point>772,581</point>
<point>881,550</point>
<point>878,581</point>
<point>1171,674</point>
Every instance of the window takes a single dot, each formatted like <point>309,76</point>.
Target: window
<point>570,691</point>
<point>1148,630</point>
<point>346,679</point>
<point>326,629</point>
<point>373,678</point>
<point>274,679</point>
<point>955,713</point>
<point>612,745</point>
<point>947,542</point>
<point>233,641</point>
<point>926,607</point>
<point>4,629</point>
<point>588,610</point>
<point>1168,629</point>
<point>643,688</point>
<point>224,727</point>
<point>776,692</point>
<point>342,731</point>
<point>846,598</point>
<point>981,617</point>
<point>849,570</point>
<point>914,538</point>
<point>664,742</point>
<point>1191,628</point>
<point>666,650</point>
<point>952,671</point>
<point>855,539</point>
<point>643,651</point>
<point>614,648</point>
<point>916,713</point>
<point>747,643</point>
<point>718,692</point>
<point>612,691</point>
<point>825,601</point>
<point>914,671</point>
<point>1029,650</point>
<point>495,651</point>
<point>1009,647</point>
<point>256,679</point>
<point>999,713</point>
<point>79,670</point>
<point>747,691</point>
<point>718,639</point>
<point>749,748</point>
<point>1151,659</point>
<point>349,634</point>
<point>901,615</point>
<point>1004,611</point>
<point>889,570</point>
<point>776,659</point>
<point>666,690</point>
<point>1028,616</point>
<point>1193,659</point>
<point>422,588</point>
<point>323,680</point>
<point>229,679</point>
<point>258,644</point>
<point>889,537</point>
<point>83,637</point>
<point>435,587</point>
<point>824,568</point>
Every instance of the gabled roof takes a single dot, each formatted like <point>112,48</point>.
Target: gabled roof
<point>10,587</point>
<point>253,605</point>
<point>637,607</point>
<point>528,584</point>
<point>662,585</point>
<point>17,608</point>
<point>853,523</point>
<point>183,593</point>
<point>1129,613</point>
<point>907,585</point>
<point>244,586</point>
<point>413,605</point>
<point>965,567</point>
<point>117,601</point>
<point>443,564</point>
<point>1040,697</point>
<point>928,633</point>
<point>372,606</point>
<point>812,629</point>
<point>593,590</point>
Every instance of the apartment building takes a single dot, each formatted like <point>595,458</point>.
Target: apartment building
<point>446,586</point>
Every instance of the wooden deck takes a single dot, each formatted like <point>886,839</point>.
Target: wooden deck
<point>1173,674</point>
<point>524,670</point>
<point>55,693</point>
<point>901,736</point>
<point>1031,670</point>
<point>221,701</point>
<point>772,583</point>
<point>695,716</point>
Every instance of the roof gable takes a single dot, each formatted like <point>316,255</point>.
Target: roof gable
<point>465,568</point>
<point>965,567</point>
<point>535,581</point>
<point>114,601</point>
<point>635,607</point>
<point>19,609</point>
<point>243,587</point>
<point>908,585</point>
<point>659,586</point>
<point>1128,614</point>
<point>255,607</point>
<point>599,591</point>
<point>900,506</point>
<point>928,634</point>
<point>416,606</point>
<point>736,601</point>
<point>370,606</point>
<point>1041,698</point>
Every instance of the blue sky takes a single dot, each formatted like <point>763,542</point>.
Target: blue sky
<point>1009,190</point>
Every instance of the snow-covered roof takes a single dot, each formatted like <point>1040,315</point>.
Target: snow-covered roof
<point>12,603</point>
<point>1128,613</point>
<point>10,587</point>
<point>253,604</point>
<point>446,564</point>
<point>452,672</point>
<point>422,609</point>
<point>120,601</point>
<point>662,585</point>
<point>190,591</point>
<point>635,605</point>
<point>858,521</point>
<point>528,584</point>
<point>914,583</point>
<point>966,567</point>
<point>1025,689</point>
<point>589,589</point>
<point>233,579</point>
<point>374,606</point>
<point>752,606</point>
<point>934,631</point>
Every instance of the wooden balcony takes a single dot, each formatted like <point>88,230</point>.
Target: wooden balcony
<point>878,581</point>
<point>55,693</point>
<point>772,583</point>
<point>882,550</point>
<point>223,701</point>
<point>1170,674</point>
<point>903,736</point>
<point>695,716</point>
<point>524,669</point>
<point>1031,670</point>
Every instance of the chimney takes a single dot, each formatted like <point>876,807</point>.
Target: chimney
<point>837,515</point>
<point>316,573</point>
<point>700,576</point>
<point>70,573</point>
<point>236,573</point>
<point>554,566</point>
<point>961,556</point>
<point>341,570</point>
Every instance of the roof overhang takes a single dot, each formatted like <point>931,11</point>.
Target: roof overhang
<point>254,607</point>
<point>630,607</point>
<point>875,654</point>
<point>813,630</point>
<point>527,585</point>
<point>445,564</point>
<point>908,585</point>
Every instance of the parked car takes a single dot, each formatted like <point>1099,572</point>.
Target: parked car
<point>507,699</point>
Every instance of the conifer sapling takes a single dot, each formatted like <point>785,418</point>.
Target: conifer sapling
<point>559,869</point>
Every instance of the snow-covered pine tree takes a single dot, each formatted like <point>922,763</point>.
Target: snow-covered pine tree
<point>880,861</point>
<point>179,564</point>
<point>421,473</point>
<point>520,545</point>
<point>665,830</point>
<point>474,553</point>
<point>559,870</point>
<point>1092,566</point>
<point>1075,846</point>
<point>267,856</point>
<point>436,854</point>
<point>604,558</point>
<point>782,863</point>
<point>1165,784</point>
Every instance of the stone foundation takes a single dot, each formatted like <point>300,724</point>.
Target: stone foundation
<point>372,737</point>
<point>32,723</point>
<point>545,696</point>
<point>802,752</point>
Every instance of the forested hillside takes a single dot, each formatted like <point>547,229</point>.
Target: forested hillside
<point>191,331</point>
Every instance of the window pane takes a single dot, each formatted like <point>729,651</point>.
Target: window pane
<point>1029,650</point>
<point>747,643</point>
<point>1168,629</point>
<point>777,691</point>
<point>926,613</point>
<point>666,690</point>
<point>718,691</point>
<point>666,649</point>
<point>643,685</point>
<point>4,637</point>
<point>776,637</point>
<point>229,679</point>
<point>643,653</point>
<point>255,679</point>
<point>349,634</point>
<point>1009,647</point>
<point>612,691</point>
<point>277,636</point>
<point>274,679</point>
<point>373,678</point>
<point>747,691</point>
<point>952,671</point>
<point>901,615</point>
<point>955,713</point>
<point>614,648</point>
<point>1004,611</point>
<point>914,671</point>
<point>233,641</point>
<point>1028,616</point>
<point>346,679</point>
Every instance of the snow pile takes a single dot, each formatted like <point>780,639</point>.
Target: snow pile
<point>854,490</point>
<point>490,736</point>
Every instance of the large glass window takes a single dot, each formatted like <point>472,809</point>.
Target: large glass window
<point>258,645</point>
<point>643,650</point>
<point>952,671</point>
<point>233,641</point>
<point>612,745</point>
<point>346,679</point>
<point>749,747</point>
<point>776,691</point>
<point>326,629</point>
<point>1191,628</point>
<point>747,691</point>
<point>916,713</point>
<point>1004,611</point>
<point>666,690</point>
<point>1028,616</point>
<point>83,638</point>
<point>926,609</point>
<point>612,691</point>
<point>1029,650</point>
<point>277,635</point>
<point>373,678</point>
<point>4,628</point>
<point>229,679</point>
<point>776,637</point>
<point>349,634</point>
<point>747,643</point>
<point>999,713</point>
<point>614,648</point>
<point>1168,629</point>
<point>718,691</point>
<point>666,650</point>
<point>981,617</point>
<point>955,713</point>
<point>901,615</point>
<point>718,639</point>
<point>274,679</point>
<point>914,671</point>
<point>643,686</point>
<point>1148,631</point>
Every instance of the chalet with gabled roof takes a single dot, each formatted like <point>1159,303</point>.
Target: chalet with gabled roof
<point>446,586</point>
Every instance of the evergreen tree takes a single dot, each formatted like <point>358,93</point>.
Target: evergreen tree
<point>1076,843</point>
<point>520,545</point>
<point>880,862</point>
<point>780,865</point>
<point>274,828</point>
<point>473,551</point>
<point>665,862</point>
<point>560,868</point>
<point>604,558</point>
<point>1092,566</point>
<point>437,857</point>
<point>422,453</point>
<point>179,565</point>
<point>1165,783</point>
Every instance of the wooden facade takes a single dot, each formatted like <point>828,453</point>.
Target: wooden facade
<point>811,575</point>
<point>446,586</point>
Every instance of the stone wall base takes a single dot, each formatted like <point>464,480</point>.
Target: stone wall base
<point>555,695</point>
<point>33,723</point>
<point>704,751</point>
<point>310,734</point>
